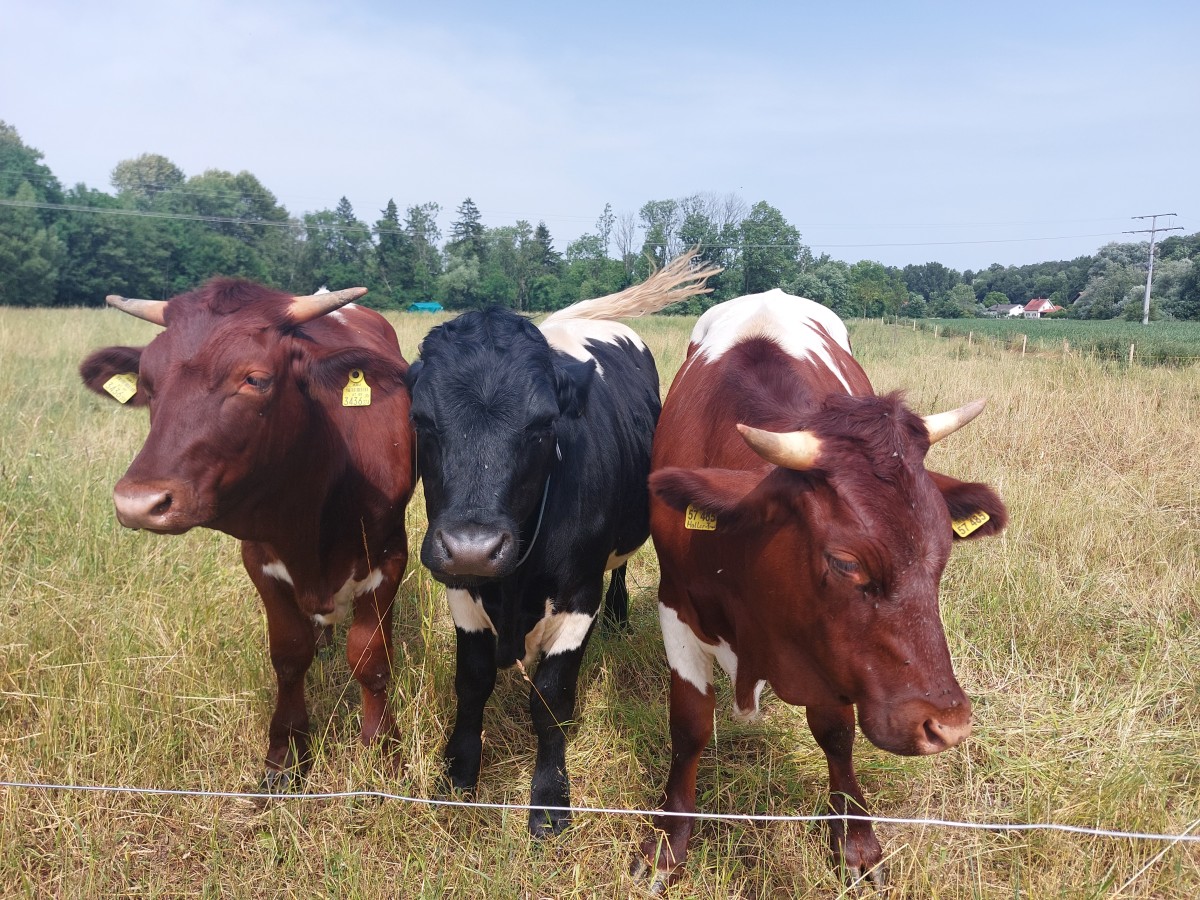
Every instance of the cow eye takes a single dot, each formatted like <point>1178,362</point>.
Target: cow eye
<point>258,382</point>
<point>845,566</point>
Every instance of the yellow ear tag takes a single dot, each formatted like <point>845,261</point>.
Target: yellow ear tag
<point>698,520</point>
<point>122,386</point>
<point>972,523</point>
<point>356,392</point>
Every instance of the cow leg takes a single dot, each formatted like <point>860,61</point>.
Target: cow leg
<point>474,680</point>
<point>293,645</point>
<point>852,842</point>
<point>552,708</point>
<point>369,653</point>
<point>616,601</point>
<point>691,730</point>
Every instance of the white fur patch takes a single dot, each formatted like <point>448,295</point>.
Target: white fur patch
<point>691,659</point>
<point>571,335</point>
<point>344,598</point>
<point>792,322</point>
<point>556,633</point>
<point>467,611</point>
<point>688,656</point>
<point>615,560</point>
<point>278,571</point>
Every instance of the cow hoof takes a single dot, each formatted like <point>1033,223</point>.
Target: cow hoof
<point>656,881</point>
<point>546,823</point>
<point>874,876</point>
<point>279,782</point>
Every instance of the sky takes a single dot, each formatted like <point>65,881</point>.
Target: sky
<point>961,133</point>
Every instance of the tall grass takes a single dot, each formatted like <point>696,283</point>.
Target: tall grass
<point>132,659</point>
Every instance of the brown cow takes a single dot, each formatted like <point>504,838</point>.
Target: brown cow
<point>254,433</point>
<point>801,542</point>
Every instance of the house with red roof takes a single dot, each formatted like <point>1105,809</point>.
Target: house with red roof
<point>1039,307</point>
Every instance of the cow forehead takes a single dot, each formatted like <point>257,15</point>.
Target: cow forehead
<point>802,328</point>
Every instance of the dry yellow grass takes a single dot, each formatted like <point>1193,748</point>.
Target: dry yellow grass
<point>129,659</point>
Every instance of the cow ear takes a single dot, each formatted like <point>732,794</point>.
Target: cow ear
<point>573,381</point>
<point>736,498</point>
<point>414,372</point>
<point>102,366</point>
<point>332,372</point>
<point>975,509</point>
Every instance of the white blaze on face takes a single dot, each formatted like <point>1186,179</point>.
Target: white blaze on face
<point>556,633</point>
<point>571,336</point>
<point>691,659</point>
<point>467,611</point>
<point>795,323</point>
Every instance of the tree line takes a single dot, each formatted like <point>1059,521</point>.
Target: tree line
<point>161,232</point>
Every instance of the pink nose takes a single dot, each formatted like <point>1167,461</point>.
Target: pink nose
<point>152,506</point>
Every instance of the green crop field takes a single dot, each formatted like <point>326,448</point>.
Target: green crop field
<point>1155,344</point>
<point>128,659</point>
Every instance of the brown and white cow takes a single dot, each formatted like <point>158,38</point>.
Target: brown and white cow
<point>801,541</point>
<point>254,433</point>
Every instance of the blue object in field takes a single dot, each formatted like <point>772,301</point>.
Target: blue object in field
<point>425,306</point>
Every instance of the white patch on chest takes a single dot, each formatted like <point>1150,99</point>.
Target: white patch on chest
<point>571,336</point>
<point>556,633</point>
<point>615,560</point>
<point>278,571</point>
<point>467,611</point>
<point>691,659</point>
<point>794,323</point>
<point>344,598</point>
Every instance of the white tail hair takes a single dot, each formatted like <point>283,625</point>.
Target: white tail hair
<point>677,280</point>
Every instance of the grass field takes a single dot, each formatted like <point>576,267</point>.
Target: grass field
<point>129,659</point>
<point>1155,344</point>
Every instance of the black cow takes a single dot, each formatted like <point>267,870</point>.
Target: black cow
<point>534,448</point>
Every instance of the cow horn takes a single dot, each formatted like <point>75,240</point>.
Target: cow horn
<point>151,310</point>
<point>792,449</point>
<point>940,425</point>
<point>305,309</point>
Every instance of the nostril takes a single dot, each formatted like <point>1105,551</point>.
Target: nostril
<point>500,546</point>
<point>933,734</point>
<point>162,506</point>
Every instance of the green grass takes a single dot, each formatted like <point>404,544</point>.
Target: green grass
<point>131,659</point>
<point>1155,344</point>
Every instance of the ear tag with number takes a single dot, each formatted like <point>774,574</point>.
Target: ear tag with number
<point>699,520</point>
<point>972,523</point>
<point>356,392</point>
<point>122,387</point>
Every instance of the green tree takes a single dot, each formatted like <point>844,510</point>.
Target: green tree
<point>467,232</point>
<point>31,254</point>
<point>771,252</point>
<point>141,180</point>
<point>877,290</point>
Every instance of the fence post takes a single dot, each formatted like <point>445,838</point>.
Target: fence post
<point>1131,346</point>
<point>1024,341</point>
<point>970,338</point>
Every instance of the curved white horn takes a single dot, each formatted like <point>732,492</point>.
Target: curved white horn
<point>151,310</point>
<point>305,309</point>
<point>796,450</point>
<point>939,425</point>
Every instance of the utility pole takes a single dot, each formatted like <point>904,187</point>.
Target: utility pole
<point>1150,272</point>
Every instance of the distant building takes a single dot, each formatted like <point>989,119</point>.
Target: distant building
<point>1039,307</point>
<point>430,306</point>
<point>1004,310</point>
